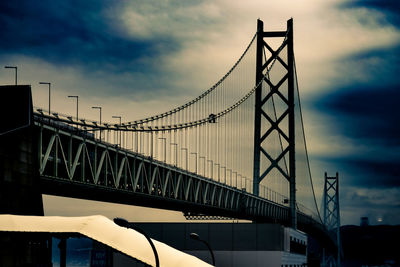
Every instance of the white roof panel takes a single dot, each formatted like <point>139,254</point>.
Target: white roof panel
<point>105,231</point>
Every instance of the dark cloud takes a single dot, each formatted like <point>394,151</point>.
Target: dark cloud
<point>391,9</point>
<point>356,199</point>
<point>368,111</point>
<point>73,32</point>
<point>378,174</point>
<point>367,114</point>
<point>369,173</point>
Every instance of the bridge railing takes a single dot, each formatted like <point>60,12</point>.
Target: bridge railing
<point>303,209</point>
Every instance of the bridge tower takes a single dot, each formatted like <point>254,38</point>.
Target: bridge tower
<point>287,132</point>
<point>331,213</point>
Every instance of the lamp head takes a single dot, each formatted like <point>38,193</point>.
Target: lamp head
<point>194,236</point>
<point>121,222</point>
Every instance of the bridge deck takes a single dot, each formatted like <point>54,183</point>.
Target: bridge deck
<point>75,164</point>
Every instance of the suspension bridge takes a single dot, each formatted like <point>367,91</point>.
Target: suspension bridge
<point>238,150</point>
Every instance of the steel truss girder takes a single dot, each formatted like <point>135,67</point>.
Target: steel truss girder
<point>86,165</point>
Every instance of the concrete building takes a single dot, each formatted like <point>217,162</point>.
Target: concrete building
<point>235,244</point>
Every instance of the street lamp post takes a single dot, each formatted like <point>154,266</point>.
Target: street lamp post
<point>195,161</point>
<point>204,164</point>
<point>118,117</point>
<point>165,148</point>
<point>176,153</point>
<point>77,104</point>
<point>236,183</point>
<point>16,72</point>
<point>124,223</point>
<point>230,177</point>
<point>49,84</point>
<point>99,108</point>
<point>186,160</point>
<point>195,236</point>
<point>217,164</point>
<point>224,173</point>
<point>211,168</point>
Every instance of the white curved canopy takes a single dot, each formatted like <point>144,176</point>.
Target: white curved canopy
<point>105,231</point>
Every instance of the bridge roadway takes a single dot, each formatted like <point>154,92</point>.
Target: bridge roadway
<point>72,163</point>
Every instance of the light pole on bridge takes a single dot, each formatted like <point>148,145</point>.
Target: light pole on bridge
<point>176,153</point>
<point>99,108</point>
<point>49,85</point>
<point>120,118</point>
<point>195,161</point>
<point>16,72</point>
<point>204,165</point>
<point>77,104</point>
<point>224,173</point>
<point>165,148</point>
<point>186,159</point>
<point>211,168</point>
<point>217,164</point>
<point>230,177</point>
<point>236,183</point>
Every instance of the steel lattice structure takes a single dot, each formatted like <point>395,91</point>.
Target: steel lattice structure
<point>91,169</point>
<point>261,135</point>
<point>331,212</point>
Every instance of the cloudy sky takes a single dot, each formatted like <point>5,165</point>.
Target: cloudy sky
<point>142,57</point>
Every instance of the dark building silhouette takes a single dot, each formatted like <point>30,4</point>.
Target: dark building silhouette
<point>364,221</point>
<point>370,245</point>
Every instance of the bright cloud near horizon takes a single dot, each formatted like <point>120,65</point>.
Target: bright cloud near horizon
<point>140,58</point>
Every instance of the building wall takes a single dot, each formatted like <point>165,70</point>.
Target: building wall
<point>220,236</point>
<point>241,258</point>
<point>233,244</point>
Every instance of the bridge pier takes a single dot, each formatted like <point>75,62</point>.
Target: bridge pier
<point>19,176</point>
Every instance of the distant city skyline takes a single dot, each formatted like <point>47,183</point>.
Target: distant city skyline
<point>139,58</point>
